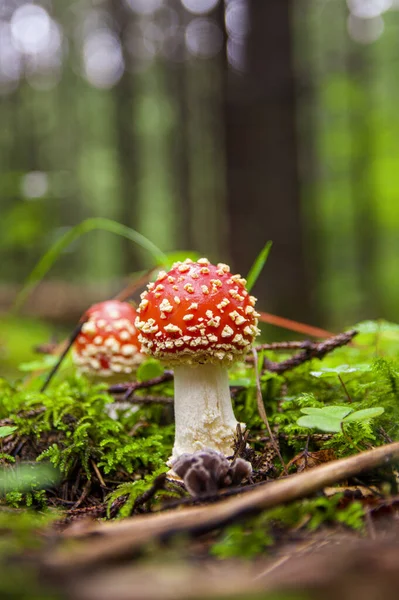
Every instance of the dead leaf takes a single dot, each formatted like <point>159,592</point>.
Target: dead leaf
<point>308,460</point>
<point>354,492</point>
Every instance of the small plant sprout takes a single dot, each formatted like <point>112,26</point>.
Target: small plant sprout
<point>199,319</point>
<point>107,345</point>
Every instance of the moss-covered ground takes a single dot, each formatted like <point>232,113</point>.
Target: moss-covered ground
<point>66,457</point>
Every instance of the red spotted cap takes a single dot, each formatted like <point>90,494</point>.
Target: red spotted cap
<point>197,313</point>
<point>108,342</point>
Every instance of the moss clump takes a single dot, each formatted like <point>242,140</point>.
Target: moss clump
<point>69,426</point>
<point>103,461</point>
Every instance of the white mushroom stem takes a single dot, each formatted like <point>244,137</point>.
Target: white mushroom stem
<point>203,412</point>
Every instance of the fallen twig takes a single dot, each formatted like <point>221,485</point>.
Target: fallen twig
<point>25,414</point>
<point>158,484</point>
<point>83,495</point>
<point>312,350</point>
<point>124,538</point>
<point>128,388</point>
<point>337,565</point>
<point>303,345</point>
<point>145,400</point>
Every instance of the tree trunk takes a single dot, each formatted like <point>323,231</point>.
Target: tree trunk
<point>262,157</point>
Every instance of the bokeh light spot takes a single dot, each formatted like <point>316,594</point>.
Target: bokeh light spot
<point>365,31</point>
<point>237,19</point>
<point>31,28</point>
<point>199,7</point>
<point>34,185</point>
<point>368,9</point>
<point>236,54</point>
<point>103,59</point>
<point>203,38</point>
<point>144,7</point>
<point>10,59</point>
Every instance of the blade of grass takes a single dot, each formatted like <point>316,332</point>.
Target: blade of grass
<point>258,265</point>
<point>294,326</point>
<point>99,223</point>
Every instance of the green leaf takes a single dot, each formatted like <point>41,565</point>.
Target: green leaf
<point>323,422</point>
<point>179,256</point>
<point>365,414</point>
<point>338,412</point>
<point>36,365</point>
<point>376,326</point>
<point>26,477</point>
<point>241,382</point>
<point>98,223</point>
<point>149,369</point>
<point>6,430</point>
<point>258,265</point>
<point>340,370</point>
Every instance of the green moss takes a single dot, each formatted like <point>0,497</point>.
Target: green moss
<point>101,460</point>
<point>256,535</point>
<point>20,538</point>
<point>69,427</point>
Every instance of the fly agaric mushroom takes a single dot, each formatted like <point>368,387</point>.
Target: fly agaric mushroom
<point>107,345</point>
<point>199,319</point>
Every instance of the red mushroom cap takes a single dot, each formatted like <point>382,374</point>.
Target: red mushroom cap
<point>108,342</point>
<point>197,313</point>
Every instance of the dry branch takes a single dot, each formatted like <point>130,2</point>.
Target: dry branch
<point>309,350</point>
<point>312,350</point>
<point>116,540</point>
<point>144,400</point>
<point>337,565</point>
<point>127,389</point>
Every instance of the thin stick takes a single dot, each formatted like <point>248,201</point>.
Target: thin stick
<point>57,365</point>
<point>129,290</point>
<point>313,350</point>
<point>120,539</point>
<point>262,411</point>
<point>294,325</point>
<point>128,388</point>
<point>83,495</point>
<point>158,484</point>
<point>345,388</point>
<point>145,400</point>
<point>285,345</point>
<point>97,472</point>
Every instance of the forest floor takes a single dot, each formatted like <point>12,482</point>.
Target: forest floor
<point>88,511</point>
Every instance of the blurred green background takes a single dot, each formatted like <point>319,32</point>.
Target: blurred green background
<point>208,125</point>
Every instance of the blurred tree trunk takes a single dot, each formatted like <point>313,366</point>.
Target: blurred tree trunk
<point>126,146</point>
<point>178,139</point>
<point>177,66</point>
<point>307,57</point>
<point>366,223</point>
<point>262,161</point>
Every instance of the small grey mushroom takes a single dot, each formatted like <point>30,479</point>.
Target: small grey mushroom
<point>207,471</point>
